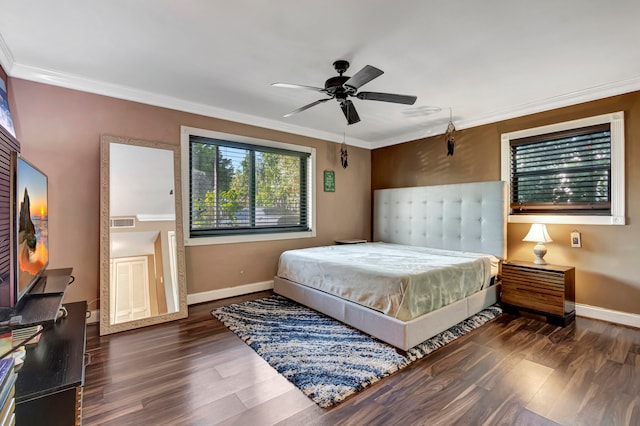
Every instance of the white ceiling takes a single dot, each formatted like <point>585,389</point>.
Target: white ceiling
<point>127,244</point>
<point>487,60</point>
<point>141,182</point>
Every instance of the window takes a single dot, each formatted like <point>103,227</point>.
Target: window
<point>563,172</point>
<point>245,189</point>
<point>570,172</point>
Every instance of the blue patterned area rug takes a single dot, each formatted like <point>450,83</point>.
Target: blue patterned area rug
<point>323,357</point>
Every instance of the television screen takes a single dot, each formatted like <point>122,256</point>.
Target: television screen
<point>32,216</point>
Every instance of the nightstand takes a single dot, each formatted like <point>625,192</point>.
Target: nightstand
<point>547,290</point>
<point>356,241</point>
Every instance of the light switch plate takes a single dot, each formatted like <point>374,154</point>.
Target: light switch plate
<point>576,239</point>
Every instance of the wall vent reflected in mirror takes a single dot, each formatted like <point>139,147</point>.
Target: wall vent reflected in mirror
<point>125,222</point>
<point>142,255</point>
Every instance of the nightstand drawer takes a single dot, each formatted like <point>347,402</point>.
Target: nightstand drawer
<point>531,287</point>
<point>551,280</point>
<point>542,302</point>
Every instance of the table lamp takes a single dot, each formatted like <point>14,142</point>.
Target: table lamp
<point>538,234</point>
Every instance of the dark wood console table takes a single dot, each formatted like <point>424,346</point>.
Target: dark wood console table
<point>49,385</point>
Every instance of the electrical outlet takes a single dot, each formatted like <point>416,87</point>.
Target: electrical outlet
<point>576,239</point>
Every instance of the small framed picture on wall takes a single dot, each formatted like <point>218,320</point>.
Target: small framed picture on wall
<point>5,114</point>
<point>329,181</point>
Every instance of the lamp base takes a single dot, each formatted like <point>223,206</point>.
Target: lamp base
<point>539,250</point>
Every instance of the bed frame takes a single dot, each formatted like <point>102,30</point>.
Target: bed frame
<point>466,217</point>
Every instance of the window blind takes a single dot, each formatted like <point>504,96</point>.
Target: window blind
<point>563,172</point>
<point>238,188</point>
<point>8,145</point>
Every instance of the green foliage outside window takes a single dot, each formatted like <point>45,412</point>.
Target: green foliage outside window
<point>236,188</point>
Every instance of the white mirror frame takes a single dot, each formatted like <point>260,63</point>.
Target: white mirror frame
<point>105,326</point>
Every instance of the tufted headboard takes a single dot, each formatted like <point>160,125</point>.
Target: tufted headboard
<point>467,217</point>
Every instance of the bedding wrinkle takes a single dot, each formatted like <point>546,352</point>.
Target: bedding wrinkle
<point>403,282</point>
<point>402,301</point>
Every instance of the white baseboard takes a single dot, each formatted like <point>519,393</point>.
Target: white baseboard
<point>223,293</point>
<point>94,316</point>
<point>588,311</point>
<point>207,296</point>
<point>604,314</point>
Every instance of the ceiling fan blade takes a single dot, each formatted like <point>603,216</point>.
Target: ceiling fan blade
<point>363,76</point>
<point>306,107</point>
<point>387,97</point>
<point>298,86</point>
<point>350,112</point>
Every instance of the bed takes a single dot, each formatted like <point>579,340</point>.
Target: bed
<point>458,230</point>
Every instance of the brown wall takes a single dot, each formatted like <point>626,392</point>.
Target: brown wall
<point>60,132</point>
<point>607,266</point>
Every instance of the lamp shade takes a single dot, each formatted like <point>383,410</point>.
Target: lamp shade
<point>538,234</point>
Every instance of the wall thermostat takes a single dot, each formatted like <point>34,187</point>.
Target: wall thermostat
<point>576,239</point>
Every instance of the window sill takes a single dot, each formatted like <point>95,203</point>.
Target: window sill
<point>231,239</point>
<point>567,219</point>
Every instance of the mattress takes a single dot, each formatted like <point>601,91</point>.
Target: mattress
<point>400,281</point>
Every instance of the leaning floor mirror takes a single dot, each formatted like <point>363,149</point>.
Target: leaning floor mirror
<point>142,257</point>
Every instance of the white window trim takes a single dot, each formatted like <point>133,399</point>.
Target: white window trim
<point>617,216</point>
<point>186,132</point>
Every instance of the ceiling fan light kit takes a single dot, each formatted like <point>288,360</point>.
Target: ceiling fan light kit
<point>341,87</point>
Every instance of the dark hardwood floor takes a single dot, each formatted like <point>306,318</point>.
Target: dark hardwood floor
<point>512,371</point>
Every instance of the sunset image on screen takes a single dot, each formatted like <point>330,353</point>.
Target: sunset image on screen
<point>32,216</point>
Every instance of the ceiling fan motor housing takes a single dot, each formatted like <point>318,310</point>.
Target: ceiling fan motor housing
<point>335,86</point>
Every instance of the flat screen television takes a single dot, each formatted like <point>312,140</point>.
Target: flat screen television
<point>32,226</point>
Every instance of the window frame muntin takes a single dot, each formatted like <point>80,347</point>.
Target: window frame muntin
<point>617,186</point>
<point>185,134</point>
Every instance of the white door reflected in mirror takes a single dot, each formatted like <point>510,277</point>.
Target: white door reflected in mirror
<point>130,293</point>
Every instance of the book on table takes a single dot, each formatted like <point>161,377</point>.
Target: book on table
<point>20,334</point>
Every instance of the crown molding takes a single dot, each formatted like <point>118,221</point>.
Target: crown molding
<point>69,81</point>
<point>155,217</point>
<point>6,57</point>
<point>83,84</point>
<point>560,101</point>
<point>568,99</point>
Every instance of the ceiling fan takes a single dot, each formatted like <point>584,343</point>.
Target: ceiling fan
<point>341,87</point>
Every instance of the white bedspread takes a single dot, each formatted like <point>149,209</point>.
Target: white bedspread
<point>400,281</point>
